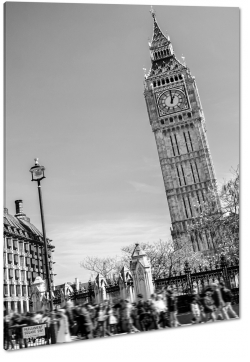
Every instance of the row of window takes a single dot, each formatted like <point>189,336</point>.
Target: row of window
<point>202,242</point>
<point>16,290</point>
<point>22,275</point>
<point>164,81</point>
<point>11,306</point>
<point>16,259</point>
<point>180,117</point>
<point>161,53</point>
<point>176,145</point>
<point>25,247</point>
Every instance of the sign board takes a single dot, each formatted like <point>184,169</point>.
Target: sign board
<point>34,331</point>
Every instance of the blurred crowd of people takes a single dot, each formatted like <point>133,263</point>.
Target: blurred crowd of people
<point>90,320</point>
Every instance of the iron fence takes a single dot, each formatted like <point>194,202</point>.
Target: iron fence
<point>185,282</point>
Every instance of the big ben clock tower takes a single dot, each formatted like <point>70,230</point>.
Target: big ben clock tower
<point>177,120</point>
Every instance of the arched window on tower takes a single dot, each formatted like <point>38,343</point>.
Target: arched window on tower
<point>167,80</point>
<point>176,78</point>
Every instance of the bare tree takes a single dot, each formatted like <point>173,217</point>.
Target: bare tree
<point>221,226</point>
<point>164,258</point>
<point>105,266</point>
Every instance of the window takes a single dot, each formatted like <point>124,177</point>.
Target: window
<point>6,289</point>
<point>180,117</point>
<point>26,248</point>
<point>167,80</point>
<point>5,273</point>
<point>12,290</point>
<point>17,274</point>
<point>171,79</point>
<point>34,274</point>
<point>15,244</point>
<point>18,290</point>
<point>180,76</point>
<point>22,275</point>
<point>16,259</point>
<point>21,247</point>
<point>162,121</point>
<point>24,290</point>
<point>27,261</point>
<point>176,78</point>
<point>189,115</point>
<point>10,258</point>
<point>171,119</point>
<point>29,275</point>
<point>9,243</point>
<point>22,260</point>
<point>11,274</point>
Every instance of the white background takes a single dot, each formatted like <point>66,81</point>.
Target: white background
<point>227,341</point>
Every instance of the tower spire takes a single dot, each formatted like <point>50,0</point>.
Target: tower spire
<point>159,42</point>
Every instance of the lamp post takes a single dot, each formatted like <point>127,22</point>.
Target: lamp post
<point>37,173</point>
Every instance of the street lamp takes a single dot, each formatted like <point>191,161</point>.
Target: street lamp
<point>37,173</point>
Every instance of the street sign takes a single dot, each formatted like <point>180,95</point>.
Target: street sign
<point>34,331</point>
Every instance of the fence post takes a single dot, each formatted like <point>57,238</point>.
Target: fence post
<point>187,271</point>
<point>53,329</point>
<point>223,263</point>
<point>90,290</point>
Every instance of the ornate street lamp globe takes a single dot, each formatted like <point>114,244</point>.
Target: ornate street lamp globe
<point>37,171</point>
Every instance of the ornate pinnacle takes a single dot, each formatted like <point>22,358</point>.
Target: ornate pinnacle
<point>152,12</point>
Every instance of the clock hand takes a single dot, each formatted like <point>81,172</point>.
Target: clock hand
<point>172,98</point>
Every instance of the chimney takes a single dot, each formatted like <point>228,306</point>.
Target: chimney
<point>19,210</point>
<point>77,283</point>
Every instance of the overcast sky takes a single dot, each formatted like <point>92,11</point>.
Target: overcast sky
<point>74,98</point>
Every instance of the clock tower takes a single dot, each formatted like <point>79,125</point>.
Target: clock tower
<point>178,122</point>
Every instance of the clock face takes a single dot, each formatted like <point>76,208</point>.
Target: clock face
<point>173,100</point>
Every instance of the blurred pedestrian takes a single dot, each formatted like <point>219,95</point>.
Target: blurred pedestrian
<point>209,307</point>
<point>196,311</point>
<point>219,302</point>
<point>63,334</point>
<point>172,308</point>
<point>227,297</point>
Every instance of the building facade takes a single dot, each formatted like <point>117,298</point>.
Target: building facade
<point>24,259</point>
<point>178,122</point>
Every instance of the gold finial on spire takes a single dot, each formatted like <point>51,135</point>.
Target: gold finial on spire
<point>152,12</point>
<point>145,72</point>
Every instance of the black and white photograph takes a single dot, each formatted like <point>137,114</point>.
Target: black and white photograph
<point>121,171</point>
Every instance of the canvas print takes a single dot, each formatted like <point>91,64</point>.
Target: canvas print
<point>121,211</point>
